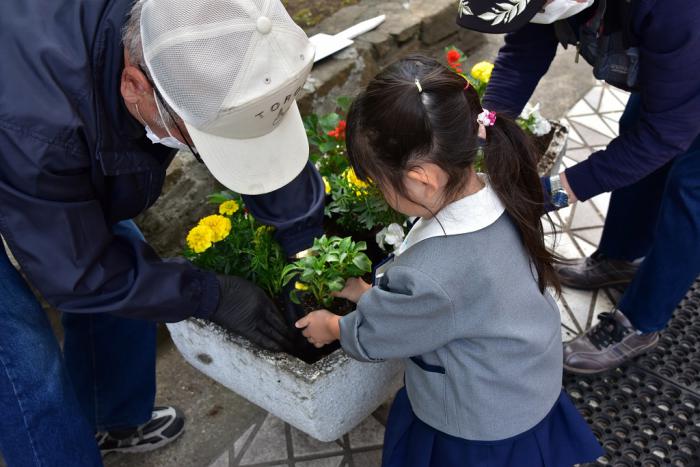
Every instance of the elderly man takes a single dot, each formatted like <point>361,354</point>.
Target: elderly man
<point>652,168</point>
<point>76,108</point>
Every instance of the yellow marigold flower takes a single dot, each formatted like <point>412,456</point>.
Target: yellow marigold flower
<point>351,177</point>
<point>301,286</point>
<point>229,208</point>
<point>482,71</point>
<point>219,225</point>
<point>327,185</point>
<point>199,239</point>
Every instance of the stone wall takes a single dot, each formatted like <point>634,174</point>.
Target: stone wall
<point>410,26</point>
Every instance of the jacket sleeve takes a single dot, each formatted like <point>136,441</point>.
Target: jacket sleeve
<point>295,210</point>
<point>407,314</point>
<point>56,229</point>
<point>521,63</point>
<point>669,115</point>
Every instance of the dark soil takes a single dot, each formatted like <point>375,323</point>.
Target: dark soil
<point>292,312</point>
<point>308,13</point>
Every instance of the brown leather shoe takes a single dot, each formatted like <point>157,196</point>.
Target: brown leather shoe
<point>595,272</point>
<point>607,345</point>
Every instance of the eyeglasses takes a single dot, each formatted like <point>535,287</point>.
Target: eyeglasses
<point>172,117</point>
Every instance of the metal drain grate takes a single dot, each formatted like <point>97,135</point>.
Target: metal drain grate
<point>640,419</point>
<point>647,413</point>
<point>677,357</point>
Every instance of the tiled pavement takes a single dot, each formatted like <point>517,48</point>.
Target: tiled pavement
<point>592,123</point>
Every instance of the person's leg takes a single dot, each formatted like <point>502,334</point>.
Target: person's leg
<point>629,227</point>
<point>111,361</point>
<point>667,271</point>
<point>673,261</point>
<point>40,419</point>
<point>633,210</point>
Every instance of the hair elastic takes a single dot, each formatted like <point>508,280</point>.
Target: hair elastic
<point>486,118</point>
<point>420,88</point>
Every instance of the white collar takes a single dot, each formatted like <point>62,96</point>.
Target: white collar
<point>469,214</point>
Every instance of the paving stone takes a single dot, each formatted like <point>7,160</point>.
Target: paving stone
<point>590,136</point>
<point>368,459</point>
<point>325,462</point>
<point>222,461</point>
<point>580,108</point>
<point>579,303</point>
<point>586,216</point>
<point>590,235</point>
<point>594,122</point>
<point>305,445</point>
<point>270,443</point>
<point>368,433</point>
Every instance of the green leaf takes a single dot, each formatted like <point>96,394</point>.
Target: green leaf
<point>328,146</point>
<point>362,262</point>
<point>336,285</point>
<point>329,122</point>
<point>344,103</point>
<point>220,197</point>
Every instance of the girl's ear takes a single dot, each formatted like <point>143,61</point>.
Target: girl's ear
<point>426,179</point>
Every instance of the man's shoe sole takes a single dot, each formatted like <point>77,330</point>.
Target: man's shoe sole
<point>580,371</point>
<point>144,447</point>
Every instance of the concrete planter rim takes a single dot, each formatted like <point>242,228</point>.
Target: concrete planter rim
<point>308,372</point>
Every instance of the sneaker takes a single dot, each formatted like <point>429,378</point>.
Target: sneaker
<point>166,424</point>
<point>595,272</point>
<point>607,345</point>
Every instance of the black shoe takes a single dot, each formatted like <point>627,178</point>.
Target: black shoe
<point>166,424</point>
<point>595,272</point>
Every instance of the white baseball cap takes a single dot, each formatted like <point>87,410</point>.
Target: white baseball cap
<point>232,69</point>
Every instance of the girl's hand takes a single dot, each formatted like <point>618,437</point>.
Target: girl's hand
<point>353,290</point>
<point>321,327</point>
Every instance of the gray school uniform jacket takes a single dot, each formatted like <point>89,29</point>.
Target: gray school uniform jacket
<point>483,345</point>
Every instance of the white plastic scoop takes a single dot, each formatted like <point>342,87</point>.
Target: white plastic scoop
<point>328,45</point>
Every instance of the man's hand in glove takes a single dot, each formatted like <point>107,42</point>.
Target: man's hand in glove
<point>246,310</point>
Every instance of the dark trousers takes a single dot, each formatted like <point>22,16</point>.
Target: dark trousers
<point>51,402</point>
<point>657,218</point>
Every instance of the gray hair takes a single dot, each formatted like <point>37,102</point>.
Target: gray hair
<point>131,38</point>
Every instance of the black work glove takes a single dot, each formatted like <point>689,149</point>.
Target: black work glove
<point>245,309</point>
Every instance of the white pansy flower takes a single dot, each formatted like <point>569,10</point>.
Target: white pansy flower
<point>536,123</point>
<point>390,236</point>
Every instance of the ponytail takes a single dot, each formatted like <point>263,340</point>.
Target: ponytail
<point>511,163</point>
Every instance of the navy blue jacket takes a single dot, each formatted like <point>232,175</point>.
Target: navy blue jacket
<point>73,162</point>
<point>668,35</point>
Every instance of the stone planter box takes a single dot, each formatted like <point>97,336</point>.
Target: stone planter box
<point>551,160</point>
<point>325,400</point>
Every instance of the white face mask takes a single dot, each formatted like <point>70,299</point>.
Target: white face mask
<point>169,141</point>
<point>560,9</point>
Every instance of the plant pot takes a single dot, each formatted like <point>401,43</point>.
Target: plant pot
<point>325,400</point>
<point>554,147</point>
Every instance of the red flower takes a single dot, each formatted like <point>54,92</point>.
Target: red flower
<point>453,57</point>
<point>456,67</point>
<point>339,131</point>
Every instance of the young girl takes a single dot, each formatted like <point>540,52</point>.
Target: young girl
<point>465,299</point>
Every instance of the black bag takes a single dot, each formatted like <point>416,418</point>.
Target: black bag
<point>605,41</point>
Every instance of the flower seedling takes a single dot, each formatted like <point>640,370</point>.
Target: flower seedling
<point>332,261</point>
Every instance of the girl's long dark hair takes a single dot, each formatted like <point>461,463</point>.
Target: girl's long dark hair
<point>392,127</point>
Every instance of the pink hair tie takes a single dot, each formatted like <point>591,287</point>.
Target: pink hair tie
<point>487,118</point>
